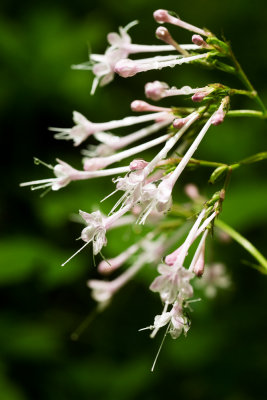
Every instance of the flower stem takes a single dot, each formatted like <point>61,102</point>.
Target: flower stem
<point>246,113</point>
<point>244,243</point>
<point>246,82</point>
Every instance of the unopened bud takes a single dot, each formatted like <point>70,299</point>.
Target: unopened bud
<point>126,68</point>
<point>105,267</point>
<point>155,90</point>
<point>179,122</point>
<point>140,106</point>
<point>163,34</point>
<point>161,16</point>
<point>138,164</point>
<point>199,267</point>
<point>199,41</point>
<point>218,118</point>
<point>171,258</point>
<point>199,96</point>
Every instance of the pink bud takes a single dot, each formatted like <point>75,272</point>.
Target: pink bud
<point>161,16</point>
<point>105,267</point>
<point>140,106</point>
<point>126,68</point>
<point>155,90</point>
<point>200,263</point>
<point>171,258</point>
<point>163,34</point>
<point>198,40</point>
<point>179,122</point>
<point>138,164</point>
<point>199,96</point>
<point>218,118</point>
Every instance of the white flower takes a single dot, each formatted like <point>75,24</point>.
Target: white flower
<point>78,133</point>
<point>97,225</point>
<point>65,174</point>
<point>103,68</point>
<point>121,39</point>
<point>176,319</point>
<point>95,230</point>
<point>172,282</point>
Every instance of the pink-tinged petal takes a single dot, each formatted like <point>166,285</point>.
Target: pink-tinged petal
<point>114,38</point>
<point>158,283</point>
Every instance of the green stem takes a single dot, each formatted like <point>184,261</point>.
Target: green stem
<point>244,79</point>
<point>246,113</point>
<point>248,93</point>
<point>193,161</point>
<point>243,242</point>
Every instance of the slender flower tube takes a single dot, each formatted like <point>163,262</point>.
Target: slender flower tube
<point>170,143</point>
<point>111,143</point>
<point>198,262</point>
<point>158,90</point>
<point>123,41</point>
<point>65,174</point>
<point>102,291</point>
<point>86,128</point>
<point>162,16</point>
<point>106,267</point>
<point>152,251</point>
<point>165,187</point>
<point>218,116</point>
<point>171,258</point>
<point>133,183</point>
<point>141,106</point>
<point>127,67</point>
<point>188,242</point>
<point>92,164</point>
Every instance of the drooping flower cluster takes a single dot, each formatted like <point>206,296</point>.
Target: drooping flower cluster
<point>147,186</point>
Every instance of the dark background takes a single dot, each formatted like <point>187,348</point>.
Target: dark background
<point>224,355</point>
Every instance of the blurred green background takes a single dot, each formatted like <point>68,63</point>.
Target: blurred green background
<point>225,355</point>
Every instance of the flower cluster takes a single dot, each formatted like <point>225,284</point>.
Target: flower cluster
<point>147,186</point>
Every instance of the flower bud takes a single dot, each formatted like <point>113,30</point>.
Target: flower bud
<point>163,34</point>
<point>126,68</point>
<point>198,40</point>
<point>161,16</point>
<point>155,90</point>
<point>138,164</point>
<point>199,96</point>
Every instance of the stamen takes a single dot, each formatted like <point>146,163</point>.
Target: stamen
<point>73,255</point>
<point>160,347</point>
